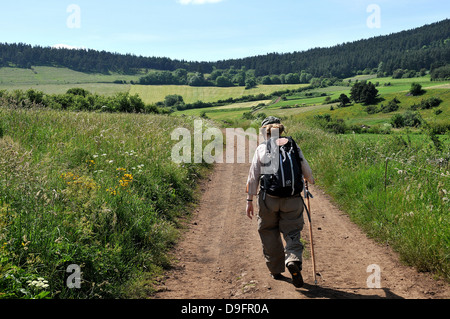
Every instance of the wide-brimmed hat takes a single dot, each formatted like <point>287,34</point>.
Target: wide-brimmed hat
<point>270,120</point>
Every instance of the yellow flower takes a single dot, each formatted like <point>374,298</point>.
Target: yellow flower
<point>112,191</point>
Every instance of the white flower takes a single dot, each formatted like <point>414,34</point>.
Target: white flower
<point>39,283</point>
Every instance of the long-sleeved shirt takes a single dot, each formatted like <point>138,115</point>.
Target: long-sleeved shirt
<point>254,175</point>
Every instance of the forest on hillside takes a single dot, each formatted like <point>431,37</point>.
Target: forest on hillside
<point>427,47</point>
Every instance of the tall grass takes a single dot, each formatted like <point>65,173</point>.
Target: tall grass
<point>92,189</point>
<point>397,190</point>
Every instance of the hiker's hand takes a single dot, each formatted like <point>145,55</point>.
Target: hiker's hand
<point>250,212</point>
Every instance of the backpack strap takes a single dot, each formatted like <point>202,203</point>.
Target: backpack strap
<point>295,146</point>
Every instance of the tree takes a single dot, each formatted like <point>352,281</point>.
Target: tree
<point>305,77</point>
<point>440,74</point>
<point>369,93</point>
<point>275,79</point>
<point>363,92</point>
<point>223,81</point>
<point>239,78</point>
<point>344,99</point>
<point>173,100</point>
<point>181,75</point>
<point>380,70</point>
<point>197,80</point>
<point>397,121</point>
<point>250,83</point>
<point>266,80</point>
<point>392,106</point>
<point>78,91</point>
<point>416,89</point>
<point>292,78</point>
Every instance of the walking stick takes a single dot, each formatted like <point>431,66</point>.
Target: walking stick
<point>308,211</point>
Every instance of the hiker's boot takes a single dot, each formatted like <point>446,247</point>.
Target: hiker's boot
<point>295,268</point>
<point>276,276</point>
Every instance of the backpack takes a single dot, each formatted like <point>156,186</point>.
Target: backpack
<point>285,179</point>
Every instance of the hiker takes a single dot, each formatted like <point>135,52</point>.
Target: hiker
<point>280,206</point>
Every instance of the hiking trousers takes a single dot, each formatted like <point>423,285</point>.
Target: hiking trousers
<point>280,216</point>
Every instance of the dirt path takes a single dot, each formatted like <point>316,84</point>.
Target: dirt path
<point>220,255</point>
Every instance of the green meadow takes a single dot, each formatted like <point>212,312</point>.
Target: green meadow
<point>53,80</point>
<point>309,106</point>
<point>395,187</point>
<point>96,190</point>
<point>156,93</point>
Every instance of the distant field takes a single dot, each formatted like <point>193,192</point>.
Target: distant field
<point>232,111</point>
<point>156,93</point>
<point>50,75</point>
<point>53,80</point>
<point>308,107</point>
<point>99,88</point>
<point>355,114</point>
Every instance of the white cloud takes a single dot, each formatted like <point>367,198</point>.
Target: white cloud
<point>186,2</point>
<point>66,46</point>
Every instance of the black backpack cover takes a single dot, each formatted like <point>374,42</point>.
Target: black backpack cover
<point>285,179</point>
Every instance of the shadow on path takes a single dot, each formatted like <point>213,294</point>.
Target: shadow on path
<point>312,291</point>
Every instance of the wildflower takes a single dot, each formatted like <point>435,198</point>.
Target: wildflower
<point>112,191</point>
<point>39,283</point>
<point>126,180</point>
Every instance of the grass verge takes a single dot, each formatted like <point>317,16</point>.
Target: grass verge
<point>94,190</point>
<point>396,189</point>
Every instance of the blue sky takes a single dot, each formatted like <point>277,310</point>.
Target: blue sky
<point>210,30</point>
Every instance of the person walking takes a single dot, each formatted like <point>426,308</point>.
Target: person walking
<point>278,188</point>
